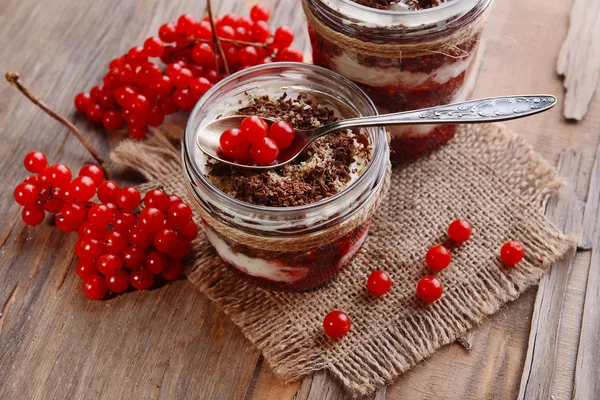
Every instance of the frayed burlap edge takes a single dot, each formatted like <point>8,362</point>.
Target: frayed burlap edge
<point>410,339</point>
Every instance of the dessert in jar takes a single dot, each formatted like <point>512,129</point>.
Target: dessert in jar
<point>406,54</point>
<point>295,227</point>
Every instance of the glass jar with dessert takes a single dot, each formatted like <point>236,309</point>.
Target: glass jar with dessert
<point>294,227</point>
<point>406,54</point>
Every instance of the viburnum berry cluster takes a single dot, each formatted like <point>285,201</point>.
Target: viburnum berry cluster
<point>138,92</point>
<point>124,240</point>
<point>256,141</point>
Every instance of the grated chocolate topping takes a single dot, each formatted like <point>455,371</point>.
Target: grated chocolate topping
<point>323,170</point>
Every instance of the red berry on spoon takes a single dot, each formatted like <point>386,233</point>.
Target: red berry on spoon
<point>233,145</point>
<point>264,152</point>
<point>254,129</point>
<point>282,133</point>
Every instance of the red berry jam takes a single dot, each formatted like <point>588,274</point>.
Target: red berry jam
<point>406,59</point>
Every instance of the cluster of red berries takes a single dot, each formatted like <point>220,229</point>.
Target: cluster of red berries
<point>139,93</point>
<point>256,141</point>
<point>429,288</point>
<point>114,233</point>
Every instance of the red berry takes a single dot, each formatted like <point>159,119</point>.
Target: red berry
<point>180,249</point>
<point>232,55</point>
<point>136,56</point>
<point>86,268</point>
<point>162,86</point>
<point>139,133</point>
<point>94,287</point>
<point>183,99</point>
<point>35,161</point>
<point>254,129</point>
<point>141,238</point>
<point>155,116</point>
<point>126,75</point>
<point>105,97</point>
<point>259,12</point>
<point>336,324</point>
<point>182,78</point>
<point>229,19</point>
<point>33,214</point>
<point>70,217</point>
<point>167,105</point>
<point>188,231</point>
<point>83,188</point>
<point>26,194</point>
<point>233,145</point>
<point>153,47</point>
<point>203,30</point>
<point>56,175</point>
<point>225,32</point>
<point>128,198</point>
<point>141,279</point>
<point>165,240</point>
<point>119,282</point>
<point>123,222</point>
<point>429,289</point>
<point>185,23</point>
<point>173,271</point>
<point>124,95</point>
<point>179,214</point>
<point>109,264</point>
<point>248,56</point>
<point>151,220</point>
<point>203,54</point>
<point>139,104</point>
<point>167,32</point>
<point>94,172</point>
<point>88,230</point>
<point>134,257</point>
<point>438,258</point>
<point>242,34</point>
<point>199,86</point>
<point>156,262</point>
<point>260,31</point>
<point>512,252</point>
<point>112,80</point>
<point>264,152</point>
<point>289,54</point>
<point>460,230</point>
<point>108,191</point>
<point>100,215</point>
<point>244,22</point>
<point>283,37</point>
<point>282,133</point>
<point>82,102</point>
<point>379,283</point>
<point>174,199</point>
<point>157,199</point>
<point>88,249</point>
<point>114,242</point>
<point>94,113</point>
<point>147,73</point>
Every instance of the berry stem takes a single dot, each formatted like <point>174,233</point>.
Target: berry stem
<point>232,41</point>
<point>216,39</point>
<point>14,79</point>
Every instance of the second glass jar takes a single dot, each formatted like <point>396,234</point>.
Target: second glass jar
<point>404,60</point>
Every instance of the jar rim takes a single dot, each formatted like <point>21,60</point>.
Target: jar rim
<point>381,11</point>
<point>378,159</point>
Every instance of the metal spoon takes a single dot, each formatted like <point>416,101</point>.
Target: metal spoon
<point>487,110</point>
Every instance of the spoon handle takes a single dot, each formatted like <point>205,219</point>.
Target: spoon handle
<point>491,109</point>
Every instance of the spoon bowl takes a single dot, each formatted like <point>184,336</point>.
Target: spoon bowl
<point>493,109</point>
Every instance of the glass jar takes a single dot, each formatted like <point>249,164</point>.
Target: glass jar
<point>404,60</point>
<point>292,248</point>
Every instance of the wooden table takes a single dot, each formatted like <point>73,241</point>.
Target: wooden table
<point>172,342</point>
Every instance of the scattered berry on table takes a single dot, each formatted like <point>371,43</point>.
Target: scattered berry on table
<point>429,289</point>
<point>379,283</point>
<point>460,230</point>
<point>438,257</point>
<point>512,252</point>
<point>336,324</point>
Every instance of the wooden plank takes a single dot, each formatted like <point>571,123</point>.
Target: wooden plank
<point>579,59</point>
<point>587,385</point>
<point>541,361</point>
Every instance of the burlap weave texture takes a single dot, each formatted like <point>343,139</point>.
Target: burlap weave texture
<point>486,174</point>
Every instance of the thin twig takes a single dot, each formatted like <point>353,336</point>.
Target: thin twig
<point>216,40</point>
<point>14,79</point>
<point>232,41</point>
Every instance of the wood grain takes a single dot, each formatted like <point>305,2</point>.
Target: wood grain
<point>579,58</point>
<point>172,342</point>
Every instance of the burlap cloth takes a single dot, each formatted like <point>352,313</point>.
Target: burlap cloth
<point>486,174</point>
